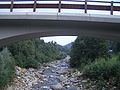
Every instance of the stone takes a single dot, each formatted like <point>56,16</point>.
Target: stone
<point>31,70</point>
<point>51,76</point>
<point>68,86</point>
<point>23,70</point>
<point>40,71</point>
<point>45,88</point>
<point>72,88</point>
<point>62,71</point>
<point>72,79</point>
<point>66,83</point>
<point>79,73</point>
<point>53,71</point>
<point>62,77</point>
<point>38,75</point>
<point>84,81</point>
<point>47,67</point>
<point>57,87</point>
<point>45,79</point>
<point>18,70</point>
<point>10,88</point>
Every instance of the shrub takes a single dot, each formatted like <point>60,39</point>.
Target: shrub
<point>7,68</point>
<point>105,69</point>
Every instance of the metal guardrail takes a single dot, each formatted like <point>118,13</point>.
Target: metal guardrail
<point>61,5</point>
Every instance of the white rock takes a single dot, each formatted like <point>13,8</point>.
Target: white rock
<point>10,88</point>
<point>62,77</point>
<point>79,73</point>
<point>45,79</point>
<point>38,75</point>
<point>45,87</point>
<point>51,76</point>
<point>57,87</point>
<point>31,70</point>
<point>84,81</point>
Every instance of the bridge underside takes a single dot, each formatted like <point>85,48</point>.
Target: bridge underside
<point>12,30</point>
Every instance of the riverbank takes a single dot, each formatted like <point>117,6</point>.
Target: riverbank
<point>56,75</point>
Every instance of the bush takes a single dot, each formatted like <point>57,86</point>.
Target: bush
<point>7,68</point>
<point>105,69</point>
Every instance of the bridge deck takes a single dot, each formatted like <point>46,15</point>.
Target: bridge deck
<point>60,16</point>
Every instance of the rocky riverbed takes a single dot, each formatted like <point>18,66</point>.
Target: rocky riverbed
<point>51,76</point>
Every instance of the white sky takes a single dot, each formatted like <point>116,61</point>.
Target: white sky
<point>62,40</point>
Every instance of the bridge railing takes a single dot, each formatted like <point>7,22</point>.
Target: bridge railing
<point>60,5</point>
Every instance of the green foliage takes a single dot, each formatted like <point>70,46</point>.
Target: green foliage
<point>86,50</point>
<point>105,69</point>
<point>31,53</point>
<point>102,68</point>
<point>7,68</point>
<point>24,53</point>
<point>101,84</point>
<point>115,46</point>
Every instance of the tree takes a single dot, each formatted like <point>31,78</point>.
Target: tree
<point>86,50</point>
<point>115,47</point>
<point>33,52</point>
<point>7,68</point>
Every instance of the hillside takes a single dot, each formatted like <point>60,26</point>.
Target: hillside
<point>68,46</point>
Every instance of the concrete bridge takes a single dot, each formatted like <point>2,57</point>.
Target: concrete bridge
<point>18,26</point>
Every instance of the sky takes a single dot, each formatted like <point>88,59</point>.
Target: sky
<point>62,40</point>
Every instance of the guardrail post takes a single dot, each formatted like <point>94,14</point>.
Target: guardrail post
<point>34,7</point>
<point>59,7</point>
<point>85,6</point>
<point>11,6</point>
<point>111,12</point>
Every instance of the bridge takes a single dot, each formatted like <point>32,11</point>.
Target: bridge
<point>16,26</point>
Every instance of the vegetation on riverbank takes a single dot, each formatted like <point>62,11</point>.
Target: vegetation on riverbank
<point>32,53</point>
<point>99,60</point>
<point>105,72</point>
<point>27,54</point>
<point>7,68</point>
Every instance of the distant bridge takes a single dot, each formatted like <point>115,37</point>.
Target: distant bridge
<point>16,26</point>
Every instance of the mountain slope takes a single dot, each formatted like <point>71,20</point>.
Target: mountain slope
<point>68,46</point>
